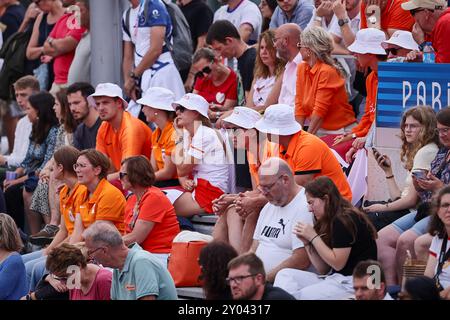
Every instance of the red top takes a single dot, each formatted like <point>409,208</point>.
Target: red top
<point>63,28</point>
<point>217,94</point>
<point>440,38</point>
<point>392,17</point>
<point>154,207</point>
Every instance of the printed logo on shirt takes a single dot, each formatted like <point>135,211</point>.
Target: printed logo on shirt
<point>283,225</point>
<point>220,97</point>
<point>270,232</point>
<point>130,287</point>
<point>155,14</point>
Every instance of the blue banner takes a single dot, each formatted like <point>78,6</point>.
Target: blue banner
<point>405,85</point>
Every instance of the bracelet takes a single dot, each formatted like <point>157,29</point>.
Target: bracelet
<point>390,177</point>
<point>311,241</point>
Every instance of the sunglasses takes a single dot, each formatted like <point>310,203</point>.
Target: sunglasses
<point>180,109</point>
<point>206,70</point>
<point>122,175</point>
<point>392,51</point>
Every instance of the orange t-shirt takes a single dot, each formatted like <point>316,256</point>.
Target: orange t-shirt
<point>269,150</point>
<point>367,119</point>
<point>105,203</point>
<point>392,17</point>
<point>154,207</point>
<point>321,92</point>
<point>163,141</point>
<point>69,201</point>
<point>308,154</point>
<point>133,138</point>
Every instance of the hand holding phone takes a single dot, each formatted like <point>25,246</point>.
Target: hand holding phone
<point>420,174</point>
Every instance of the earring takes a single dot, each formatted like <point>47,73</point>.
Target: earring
<point>156,113</point>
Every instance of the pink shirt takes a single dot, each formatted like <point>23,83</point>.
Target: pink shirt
<point>100,289</point>
<point>287,93</point>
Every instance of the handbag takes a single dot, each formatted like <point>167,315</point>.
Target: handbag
<point>31,183</point>
<point>183,259</point>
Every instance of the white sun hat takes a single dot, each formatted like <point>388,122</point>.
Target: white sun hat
<point>193,102</point>
<point>368,41</point>
<point>243,117</point>
<point>158,98</point>
<point>403,39</point>
<point>109,90</point>
<point>279,119</point>
<point>426,4</point>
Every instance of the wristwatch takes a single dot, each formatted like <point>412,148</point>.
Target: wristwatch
<point>131,74</point>
<point>341,22</point>
<point>318,19</point>
<point>50,41</point>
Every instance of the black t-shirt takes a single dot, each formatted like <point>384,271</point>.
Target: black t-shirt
<point>85,137</point>
<point>363,247</point>
<point>275,293</point>
<point>246,64</point>
<point>199,16</point>
<point>12,18</point>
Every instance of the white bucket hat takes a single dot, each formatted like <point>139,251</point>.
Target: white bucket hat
<point>426,4</point>
<point>243,117</point>
<point>279,119</point>
<point>368,41</point>
<point>403,39</point>
<point>158,98</point>
<point>193,102</point>
<point>109,90</point>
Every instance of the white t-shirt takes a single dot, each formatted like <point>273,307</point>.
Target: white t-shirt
<point>206,146</point>
<point>246,12</point>
<point>21,142</point>
<point>435,249</point>
<point>261,89</point>
<point>274,230</point>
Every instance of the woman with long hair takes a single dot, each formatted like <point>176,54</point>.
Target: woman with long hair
<point>269,70</point>
<point>341,237</point>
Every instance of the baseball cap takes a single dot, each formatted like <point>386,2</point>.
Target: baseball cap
<point>278,119</point>
<point>426,4</point>
<point>193,102</point>
<point>243,117</point>
<point>368,41</point>
<point>158,98</point>
<point>109,90</point>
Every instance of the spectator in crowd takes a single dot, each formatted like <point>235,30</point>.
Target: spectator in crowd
<point>104,201</point>
<point>157,107</point>
<point>213,261</point>
<point>199,156</point>
<point>52,11</point>
<point>224,38</point>
<point>23,88</point>
<point>244,15</point>
<point>399,45</point>
<point>44,200</point>
<point>273,240</point>
<point>267,8</point>
<point>307,155</point>
<point>268,71</point>
<point>247,280</point>
<point>433,19</point>
<point>346,24</point>
<point>61,45</point>
<point>287,36</point>
<point>71,196</point>
<point>215,82</point>
<point>369,281</point>
<point>341,237</point>
<point>323,15</point>
<point>85,113</point>
<point>438,267</point>
<point>419,148</point>
<point>12,13</point>
<point>200,17</point>
<point>68,266</point>
<point>120,135</point>
<point>147,61</point>
<point>369,52</point>
<point>13,283</point>
<point>320,95</point>
<point>40,150</point>
<point>420,288</point>
<point>389,18</point>
<point>397,238</point>
<point>150,218</point>
<point>137,274</point>
<point>292,11</point>
<point>80,68</point>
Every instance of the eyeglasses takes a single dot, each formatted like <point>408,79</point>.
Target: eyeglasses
<point>442,131</point>
<point>266,189</point>
<point>122,175</point>
<point>393,51</point>
<point>59,278</point>
<point>91,252</point>
<point>206,70</point>
<point>180,109</point>
<point>79,165</point>
<point>238,279</point>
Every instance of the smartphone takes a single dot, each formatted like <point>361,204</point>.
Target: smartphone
<point>377,154</point>
<point>420,174</point>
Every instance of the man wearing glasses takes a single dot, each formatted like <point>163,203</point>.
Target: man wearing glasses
<point>247,280</point>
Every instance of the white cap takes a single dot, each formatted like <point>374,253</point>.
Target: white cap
<point>279,119</point>
<point>158,98</point>
<point>403,39</point>
<point>109,90</point>
<point>368,41</point>
<point>243,117</point>
<point>426,4</point>
<point>194,102</point>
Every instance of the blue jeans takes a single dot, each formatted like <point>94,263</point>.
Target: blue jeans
<point>35,267</point>
<point>407,222</point>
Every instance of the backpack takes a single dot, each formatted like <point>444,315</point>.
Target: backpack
<point>181,48</point>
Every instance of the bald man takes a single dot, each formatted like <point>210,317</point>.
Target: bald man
<point>286,39</point>
<point>273,240</point>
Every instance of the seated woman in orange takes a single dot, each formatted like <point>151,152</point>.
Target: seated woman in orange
<point>321,97</point>
<point>157,107</point>
<point>103,200</point>
<point>150,218</point>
